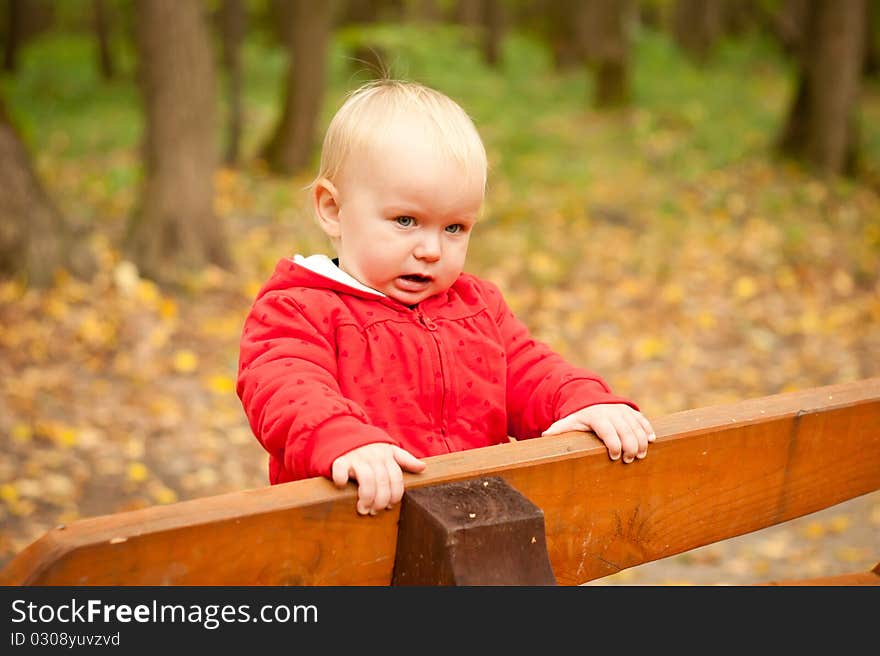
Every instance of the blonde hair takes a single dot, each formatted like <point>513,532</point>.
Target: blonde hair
<point>371,110</point>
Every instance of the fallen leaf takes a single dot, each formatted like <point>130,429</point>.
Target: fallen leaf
<point>185,361</point>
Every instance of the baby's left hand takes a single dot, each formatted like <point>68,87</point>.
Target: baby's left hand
<point>622,429</point>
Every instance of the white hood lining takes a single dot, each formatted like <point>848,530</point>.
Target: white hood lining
<point>323,266</point>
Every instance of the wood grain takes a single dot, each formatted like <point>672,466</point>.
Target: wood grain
<point>712,474</point>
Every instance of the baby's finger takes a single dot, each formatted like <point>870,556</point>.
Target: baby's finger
<point>606,432</point>
<point>383,487</point>
<point>647,426</point>
<point>408,461</point>
<point>341,471</point>
<point>366,487</point>
<point>395,480</point>
<point>629,442</point>
<point>641,435</point>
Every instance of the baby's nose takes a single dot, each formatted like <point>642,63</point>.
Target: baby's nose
<point>428,248</point>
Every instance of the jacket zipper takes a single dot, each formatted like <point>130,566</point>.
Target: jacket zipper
<point>431,327</point>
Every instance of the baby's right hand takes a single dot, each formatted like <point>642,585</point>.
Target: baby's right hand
<point>378,470</point>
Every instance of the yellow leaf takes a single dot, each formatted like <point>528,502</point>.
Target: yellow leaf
<point>648,348</point>
<point>545,267</point>
<point>785,278</point>
<point>8,493</point>
<point>22,508</point>
<point>57,432</point>
<point>706,319</point>
<point>11,291</point>
<point>163,494</point>
<point>745,288</point>
<point>137,472</point>
<point>96,331</point>
<point>220,384</point>
<point>21,433</point>
<point>810,322</point>
<point>56,308</point>
<point>167,309</point>
<point>672,293</point>
<point>814,530</point>
<point>839,523</point>
<point>66,436</point>
<point>252,288</point>
<point>147,293</point>
<point>185,361</point>
<point>760,568</point>
<point>851,554</point>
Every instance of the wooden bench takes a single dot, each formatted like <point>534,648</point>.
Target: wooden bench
<point>714,473</point>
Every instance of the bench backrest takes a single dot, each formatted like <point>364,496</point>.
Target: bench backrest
<point>713,473</point>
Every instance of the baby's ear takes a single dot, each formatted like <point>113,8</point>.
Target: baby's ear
<point>325,198</point>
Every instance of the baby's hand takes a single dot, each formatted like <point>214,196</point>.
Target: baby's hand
<point>621,428</point>
<point>378,469</point>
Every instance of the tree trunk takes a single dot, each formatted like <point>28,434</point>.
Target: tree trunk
<point>486,18</point>
<point>359,12</point>
<point>821,127</point>
<point>790,24</point>
<point>290,148</point>
<point>603,26</point>
<point>696,26</point>
<point>176,224</point>
<point>34,240</point>
<point>13,35</point>
<point>423,11</point>
<point>872,28</point>
<point>562,27</point>
<point>494,23</point>
<point>469,12</point>
<point>232,21</point>
<point>102,34</point>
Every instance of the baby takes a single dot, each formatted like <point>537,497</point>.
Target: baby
<point>358,367</point>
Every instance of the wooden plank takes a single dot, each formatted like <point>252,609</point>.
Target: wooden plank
<point>712,474</point>
<point>479,531</point>
<point>855,578</point>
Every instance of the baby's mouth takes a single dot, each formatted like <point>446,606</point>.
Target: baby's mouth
<point>415,277</point>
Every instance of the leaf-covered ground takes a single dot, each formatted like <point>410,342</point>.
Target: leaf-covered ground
<point>662,246</point>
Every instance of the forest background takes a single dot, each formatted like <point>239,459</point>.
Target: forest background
<point>684,196</point>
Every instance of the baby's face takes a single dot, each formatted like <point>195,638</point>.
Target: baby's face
<point>405,217</point>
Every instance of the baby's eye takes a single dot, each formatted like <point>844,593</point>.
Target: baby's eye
<point>455,228</point>
<point>405,221</point>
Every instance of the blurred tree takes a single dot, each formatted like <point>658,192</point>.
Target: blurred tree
<point>35,241</point>
<point>821,127</point>
<point>21,20</point>
<point>872,31</point>
<point>424,11</point>
<point>175,223</point>
<point>102,33</point>
<point>696,24</point>
<point>233,18</point>
<point>359,11</point>
<point>289,149</point>
<point>788,22</point>
<point>595,32</point>
<point>370,11</point>
<point>603,28</point>
<point>487,19</point>
<point>555,22</point>
<point>12,29</point>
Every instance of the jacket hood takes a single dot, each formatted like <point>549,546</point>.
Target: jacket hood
<point>318,272</point>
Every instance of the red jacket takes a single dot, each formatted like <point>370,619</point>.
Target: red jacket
<point>325,367</point>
